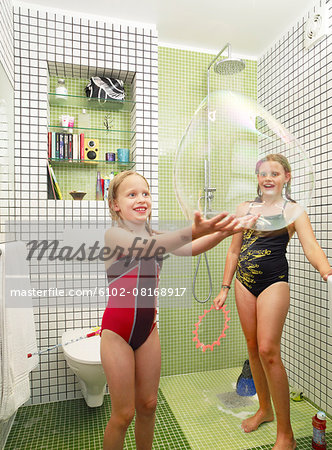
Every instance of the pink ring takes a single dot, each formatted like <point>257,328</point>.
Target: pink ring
<point>217,342</point>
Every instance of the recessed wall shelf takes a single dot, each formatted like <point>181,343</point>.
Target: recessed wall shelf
<point>114,166</point>
<point>110,125</point>
<point>115,134</point>
<point>81,102</point>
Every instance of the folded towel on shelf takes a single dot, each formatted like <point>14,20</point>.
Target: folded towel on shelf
<point>17,334</point>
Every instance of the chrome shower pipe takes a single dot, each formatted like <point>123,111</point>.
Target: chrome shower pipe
<point>207,163</point>
<point>206,196</point>
<point>228,45</point>
<point>208,190</point>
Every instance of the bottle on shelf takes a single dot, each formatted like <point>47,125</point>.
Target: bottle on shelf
<point>61,90</point>
<point>319,426</point>
<point>99,188</point>
<point>84,119</point>
<point>107,181</point>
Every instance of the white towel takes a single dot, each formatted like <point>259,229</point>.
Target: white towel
<point>329,287</point>
<point>17,334</point>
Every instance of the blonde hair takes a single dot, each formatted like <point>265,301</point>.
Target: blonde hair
<point>113,192</point>
<point>283,161</point>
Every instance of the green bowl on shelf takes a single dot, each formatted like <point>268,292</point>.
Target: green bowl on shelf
<point>77,195</point>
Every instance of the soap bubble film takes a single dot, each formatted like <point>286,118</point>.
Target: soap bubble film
<point>215,163</point>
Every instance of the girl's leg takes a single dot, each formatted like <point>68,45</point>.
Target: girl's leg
<point>272,308</point>
<point>148,362</point>
<point>118,362</point>
<point>247,308</point>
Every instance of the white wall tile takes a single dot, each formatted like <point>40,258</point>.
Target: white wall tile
<point>82,44</point>
<point>299,78</point>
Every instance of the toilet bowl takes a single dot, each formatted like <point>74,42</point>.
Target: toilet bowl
<point>83,357</point>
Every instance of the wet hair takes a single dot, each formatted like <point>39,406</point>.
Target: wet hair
<point>113,192</point>
<point>283,161</point>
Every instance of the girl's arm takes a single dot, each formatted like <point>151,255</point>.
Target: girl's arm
<point>230,267</point>
<point>119,241</point>
<point>311,248</point>
<point>231,259</point>
<point>205,243</point>
<point>202,244</point>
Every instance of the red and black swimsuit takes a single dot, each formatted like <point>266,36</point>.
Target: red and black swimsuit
<point>131,309</point>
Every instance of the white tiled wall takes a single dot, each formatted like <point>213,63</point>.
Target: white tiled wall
<point>296,86</point>
<point>6,173</point>
<point>62,44</point>
<point>6,38</point>
<point>6,114</point>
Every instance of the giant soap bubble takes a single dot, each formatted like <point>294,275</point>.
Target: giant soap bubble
<point>221,159</point>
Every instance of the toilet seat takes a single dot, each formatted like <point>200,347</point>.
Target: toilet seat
<point>85,351</point>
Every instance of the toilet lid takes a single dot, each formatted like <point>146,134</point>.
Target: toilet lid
<point>85,350</point>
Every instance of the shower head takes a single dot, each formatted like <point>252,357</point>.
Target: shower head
<point>229,66</point>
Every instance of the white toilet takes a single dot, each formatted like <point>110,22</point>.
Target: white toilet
<point>83,357</point>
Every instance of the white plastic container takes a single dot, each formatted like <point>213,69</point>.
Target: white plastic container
<point>84,120</point>
<point>61,90</point>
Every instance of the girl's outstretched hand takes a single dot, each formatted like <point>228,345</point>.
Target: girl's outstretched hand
<point>238,224</point>
<point>247,222</point>
<point>224,223</point>
<point>221,222</point>
<point>220,299</point>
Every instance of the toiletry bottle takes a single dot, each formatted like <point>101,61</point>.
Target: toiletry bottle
<point>84,119</point>
<point>61,90</point>
<point>106,186</point>
<point>319,426</point>
<point>99,189</point>
<point>64,122</point>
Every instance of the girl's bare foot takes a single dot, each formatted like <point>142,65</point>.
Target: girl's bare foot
<point>255,421</point>
<point>285,445</point>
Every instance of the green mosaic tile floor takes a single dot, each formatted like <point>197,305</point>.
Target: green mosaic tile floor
<point>210,413</point>
<point>195,411</point>
<point>71,425</point>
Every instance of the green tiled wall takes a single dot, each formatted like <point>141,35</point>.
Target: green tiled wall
<point>182,87</point>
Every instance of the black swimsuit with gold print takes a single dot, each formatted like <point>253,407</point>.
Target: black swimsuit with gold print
<point>262,259</point>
